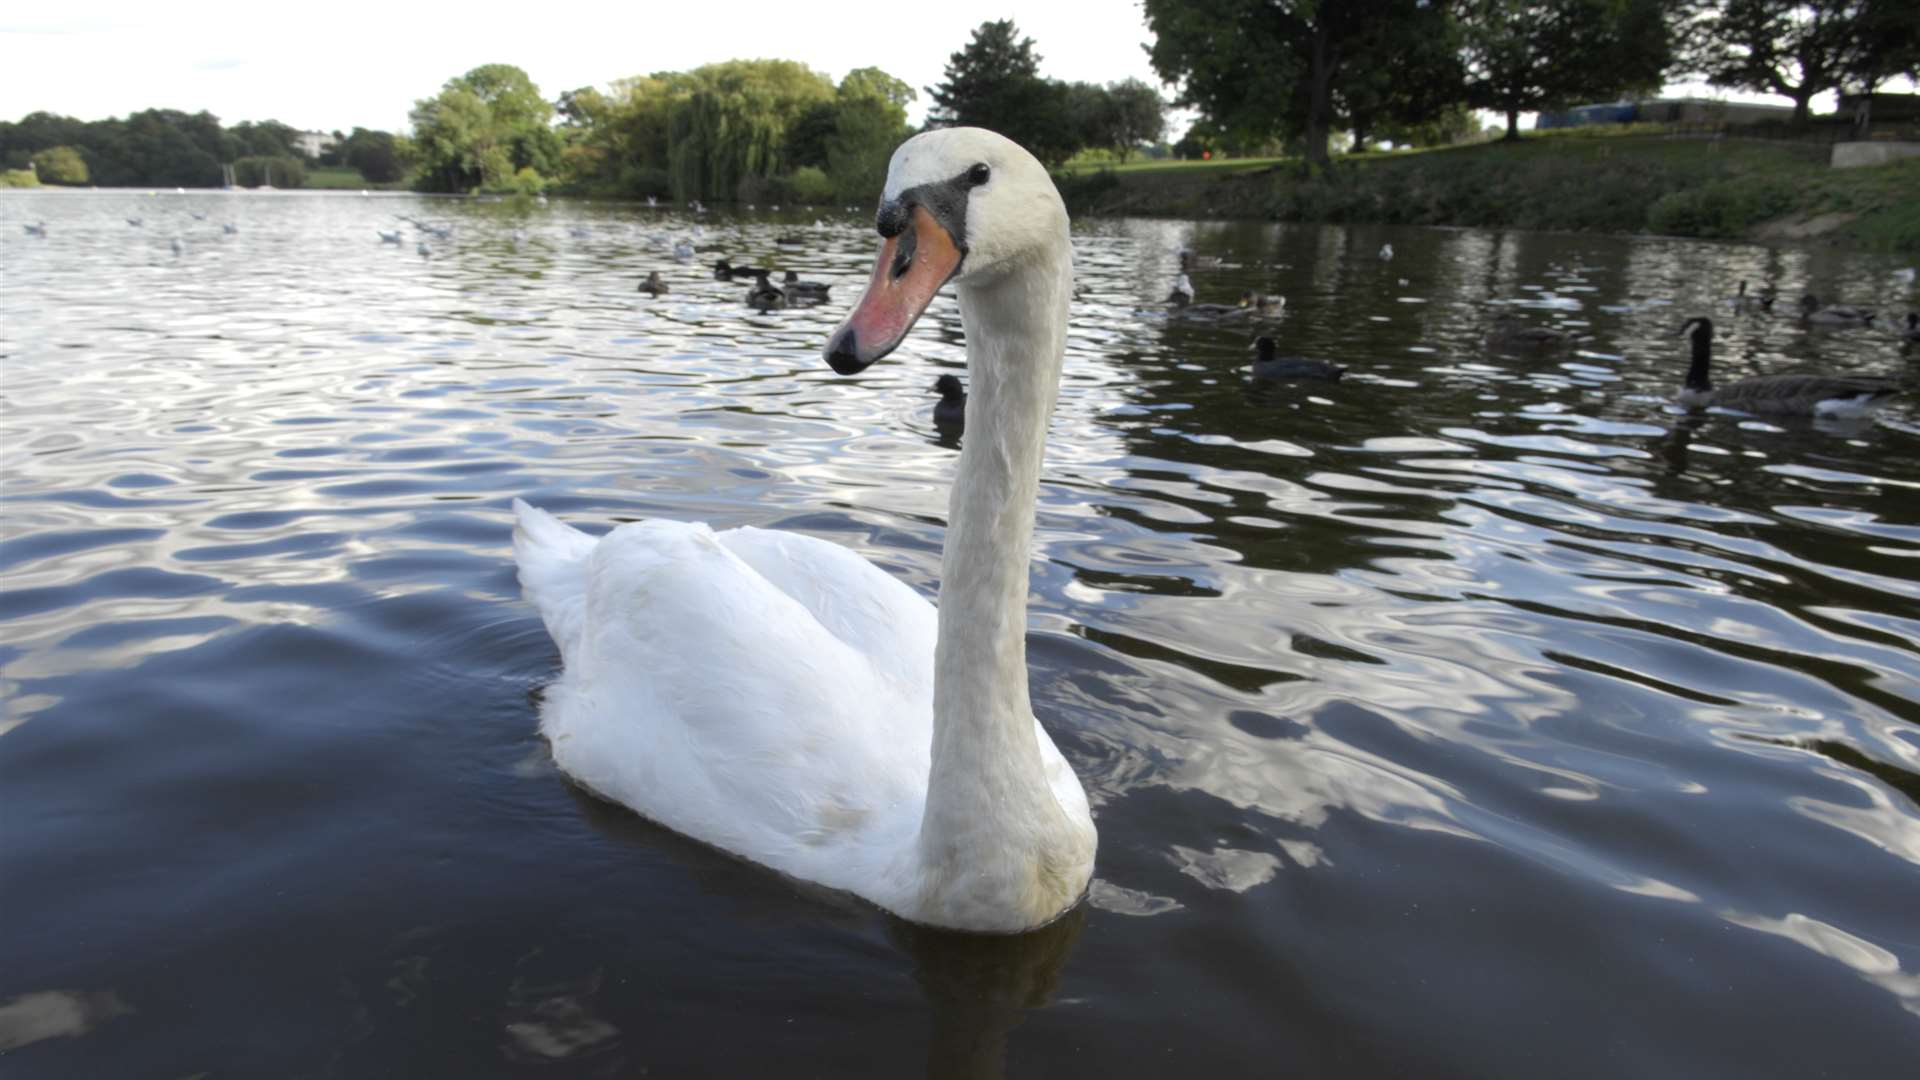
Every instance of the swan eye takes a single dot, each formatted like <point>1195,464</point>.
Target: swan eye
<point>979,174</point>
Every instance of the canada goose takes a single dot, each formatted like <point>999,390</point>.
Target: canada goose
<point>951,409</point>
<point>1776,395</point>
<point>780,697</point>
<point>1268,365</point>
<point>653,284</point>
<point>1811,311</point>
<point>804,292</point>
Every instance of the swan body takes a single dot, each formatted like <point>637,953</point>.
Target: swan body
<point>1776,395</point>
<point>778,696</point>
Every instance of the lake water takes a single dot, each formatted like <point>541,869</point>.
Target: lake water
<point>1479,715</point>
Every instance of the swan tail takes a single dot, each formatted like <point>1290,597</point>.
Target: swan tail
<point>553,560</point>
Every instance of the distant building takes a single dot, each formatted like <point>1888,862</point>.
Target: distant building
<point>1664,111</point>
<point>313,143</point>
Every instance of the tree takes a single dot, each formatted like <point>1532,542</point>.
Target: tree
<point>995,83</point>
<point>1260,68</point>
<point>60,165</point>
<point>374,153</point>
<point>482,128</point>
<point>730,124</point>
<point>1799,49</point>
<point>1523,56</point>
<point>1137,116</point>
<point>869,120</point>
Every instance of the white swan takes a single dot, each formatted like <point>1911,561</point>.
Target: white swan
<point>782,698</point>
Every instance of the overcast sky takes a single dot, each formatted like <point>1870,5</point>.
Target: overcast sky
<point>351,63</point>
<point>346,63</point>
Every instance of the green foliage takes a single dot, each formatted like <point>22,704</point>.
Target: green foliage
<point>281,171</point>
<point>19,178</point>
<point>60,165</point>
<point>1799,48</point>
<point>377,155</point>
<point>1265,69</point>
<point>268,138</point>
<point>732,123</point>
<point>809,184</point>
<point>1527,55</point>
<point>481,129</point>
<point>1724,209</point>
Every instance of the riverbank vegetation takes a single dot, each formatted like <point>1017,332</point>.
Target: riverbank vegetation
<point>1646,180</point>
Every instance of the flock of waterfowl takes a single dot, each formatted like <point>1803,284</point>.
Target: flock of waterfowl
<point>1790,394</point>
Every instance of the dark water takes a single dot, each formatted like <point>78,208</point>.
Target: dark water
<point>1478,715</point>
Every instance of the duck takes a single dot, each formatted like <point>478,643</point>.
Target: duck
<point>765,295</point>
<point>1512,335</point>
<point>1775,395</point>
<point>781,698</point>
<point>653,285</point>
<point>1767,295</point>
<point>1190,261</point>
<point>1912,334</point>
<point>790,239</point>
<point>1268,365</point>
<point>807,292</point>
<point>951,410</point>
<point>1181,298</point>
<point>39,230</point>
<point>1815,313</point>
<point>726,271</point>
<point>1272,305</point>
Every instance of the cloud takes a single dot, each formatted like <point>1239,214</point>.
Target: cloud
<point>225,63</point>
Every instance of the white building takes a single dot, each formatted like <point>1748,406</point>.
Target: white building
<point>313,143</point>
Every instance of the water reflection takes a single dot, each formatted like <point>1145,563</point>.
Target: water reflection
<point>1346,667</point>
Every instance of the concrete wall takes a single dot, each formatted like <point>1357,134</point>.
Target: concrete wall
<point>1851,155</point>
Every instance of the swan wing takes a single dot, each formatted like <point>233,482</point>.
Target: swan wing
<point>701,689</point>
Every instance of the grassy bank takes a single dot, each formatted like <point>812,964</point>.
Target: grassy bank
<point>1622,182</point>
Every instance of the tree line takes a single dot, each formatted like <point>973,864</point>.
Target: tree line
<point>1296,71</point>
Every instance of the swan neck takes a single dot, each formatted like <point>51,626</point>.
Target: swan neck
<point>991,816</point>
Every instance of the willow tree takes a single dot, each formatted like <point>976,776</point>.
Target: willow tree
<point>483,127</point>
<point>732,124</point>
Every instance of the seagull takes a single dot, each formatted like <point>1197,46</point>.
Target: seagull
<point>578,233</point>
<point>1386,252</point>
<point>229,228</point>
<point>197,216</point>
<point>136,222</point>
<point>683,251</point>
<point>175,245</point>
<point>393,237</point>
<point>39,230</point>
<point>423,249</point>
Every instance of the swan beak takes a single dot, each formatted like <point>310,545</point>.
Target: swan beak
<point>912,266</point>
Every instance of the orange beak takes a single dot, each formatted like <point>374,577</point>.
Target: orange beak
<point>912,266</point>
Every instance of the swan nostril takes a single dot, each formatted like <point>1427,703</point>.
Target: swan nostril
<point>903,255</point>
<point>892,220</point>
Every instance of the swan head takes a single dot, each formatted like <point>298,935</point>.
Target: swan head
<point>964,205</point>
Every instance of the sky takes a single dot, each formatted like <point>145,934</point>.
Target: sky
<point>353,63</point>
<point>350,63</point>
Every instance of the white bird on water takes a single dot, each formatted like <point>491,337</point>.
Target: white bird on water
<point>1386,252</point>
<point>39,230</point>
<point>781,698</point>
